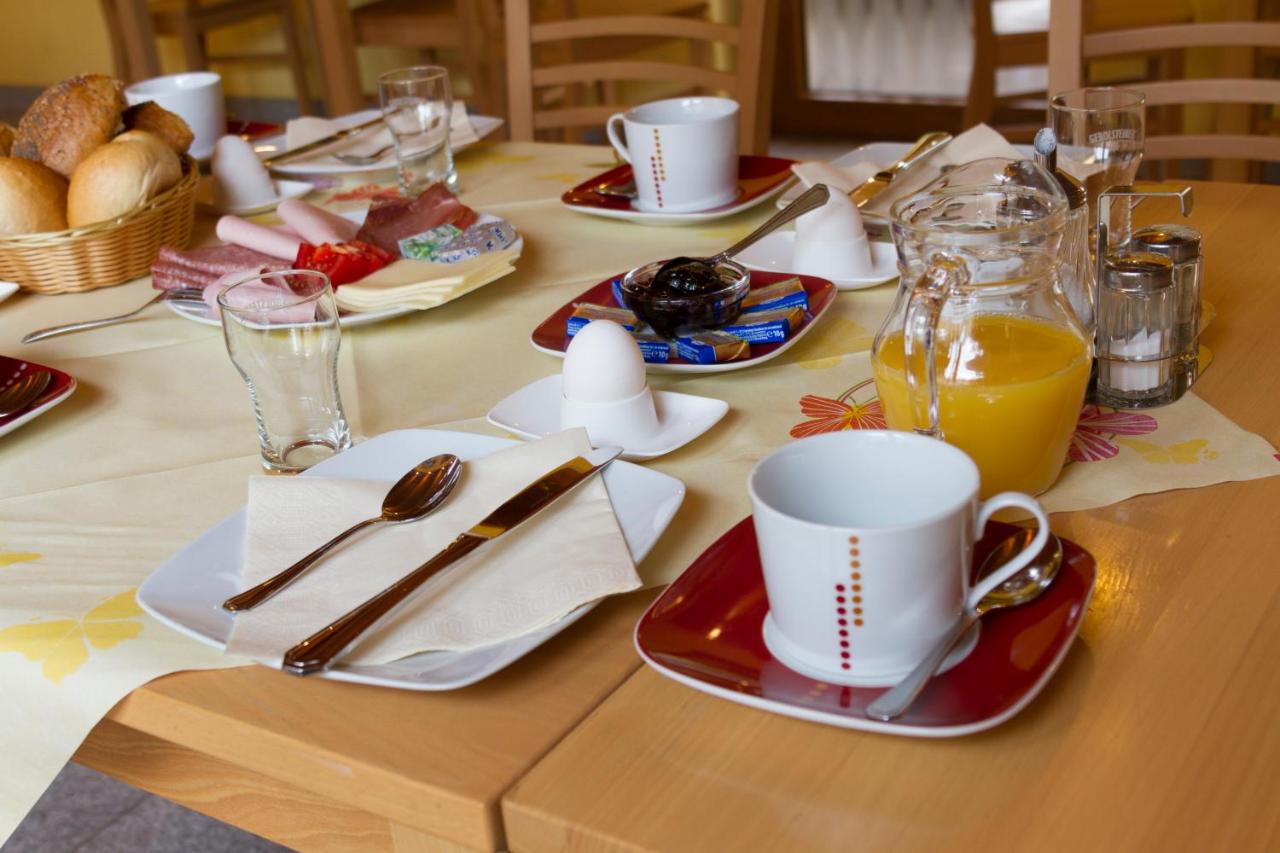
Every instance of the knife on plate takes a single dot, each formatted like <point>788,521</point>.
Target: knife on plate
<point>318,652</point>
<point>277,159</point>
<point>876,184</point>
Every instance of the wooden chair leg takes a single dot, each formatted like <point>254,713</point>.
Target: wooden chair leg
<point>297,62</point>
<point>193,49</point>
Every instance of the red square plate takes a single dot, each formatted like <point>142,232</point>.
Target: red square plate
<point>705,631</point>
<point>550,337</point>
<point>759,178</point>
<point>60,388</point>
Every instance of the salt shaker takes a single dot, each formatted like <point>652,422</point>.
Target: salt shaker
<point>1137,331</point>
<point>1181,245</point>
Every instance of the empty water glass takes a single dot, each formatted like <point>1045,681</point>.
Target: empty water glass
<point>282,332</point>
<point>1101,131</point>
<point>417,107</point>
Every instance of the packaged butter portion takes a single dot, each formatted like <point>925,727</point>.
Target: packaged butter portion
<point>653,349</point>
<point>585,312</point>
<point>616,285</point>
<point>782,294</point>
<point>420,246</point>
<point>712,347</point>
<point>477,240</point>
<point>766,327</point>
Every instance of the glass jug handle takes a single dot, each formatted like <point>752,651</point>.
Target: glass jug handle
<point>919,340</point>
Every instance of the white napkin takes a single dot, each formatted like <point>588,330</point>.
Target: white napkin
<point>975,143</point>
<point>571,553</point>
<point>424,284</point>
<point>300,131</point>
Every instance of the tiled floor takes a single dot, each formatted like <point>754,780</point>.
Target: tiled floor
<point>86,812</point>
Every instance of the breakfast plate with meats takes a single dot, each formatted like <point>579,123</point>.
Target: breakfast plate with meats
<point>398,256</point>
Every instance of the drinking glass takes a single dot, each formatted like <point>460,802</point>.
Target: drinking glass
<point>417,107</point>
<point>282,332</point>
<point>1100,129</point>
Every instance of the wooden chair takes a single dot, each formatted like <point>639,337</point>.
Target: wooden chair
<point>595,62</point>
<point>1070,48</point>
<point>1018,116</point>
<point>473,28</point>
<point>133,24</point>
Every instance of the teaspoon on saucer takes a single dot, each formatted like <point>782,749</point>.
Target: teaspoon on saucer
<point>413,496</point>
<point>1023,587</point>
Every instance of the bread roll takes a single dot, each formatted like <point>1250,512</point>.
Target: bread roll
<point>69,120</point>
<point>33,198</point>
<point>153,118</point>
<point>6,139</point>
<point>133,168</point>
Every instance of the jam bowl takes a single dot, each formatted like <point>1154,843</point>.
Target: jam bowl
<point>671,312</point>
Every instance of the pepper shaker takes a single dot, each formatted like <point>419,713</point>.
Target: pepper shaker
<point>1181,245</point>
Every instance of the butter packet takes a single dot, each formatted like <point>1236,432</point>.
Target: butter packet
<point>421,246</point>
<point>585,312</point>
<point>653,349</point>
<point>477,240</point>
<point>782,294</point>
<point>766,327</point>
<point>711,347</point>
<point>616,285</point>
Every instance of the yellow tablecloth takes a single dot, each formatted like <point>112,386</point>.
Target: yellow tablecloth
<point>158,441</point>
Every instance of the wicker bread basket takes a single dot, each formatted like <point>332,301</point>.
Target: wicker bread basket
<point>104,253</point>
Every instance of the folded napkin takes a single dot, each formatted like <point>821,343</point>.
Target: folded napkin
<point>424,284</point>
<point>569,554</point>
<point>975,143</point>
<point>300,131</point>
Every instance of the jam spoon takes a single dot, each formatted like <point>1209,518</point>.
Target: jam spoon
<point>1023,587</point>
<point>412,497</point>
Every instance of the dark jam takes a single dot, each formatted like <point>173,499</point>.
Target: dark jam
<point>686,277</point>
<point>685,294</point>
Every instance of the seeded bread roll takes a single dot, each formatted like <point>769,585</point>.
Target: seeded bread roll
<point>133,168</point>
<point>153,118</point>
<point>33,198</point>
<point>69,120</point>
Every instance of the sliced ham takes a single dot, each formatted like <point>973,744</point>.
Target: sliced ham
<point>390,221</point>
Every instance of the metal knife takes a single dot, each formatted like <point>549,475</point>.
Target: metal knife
<point>318,652</point>
<point>320,143</point>
<point>877,183</point>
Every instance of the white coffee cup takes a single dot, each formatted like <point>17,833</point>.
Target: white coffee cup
<point>194,95</point>
<point>866,540</point>
<point>683,151</point>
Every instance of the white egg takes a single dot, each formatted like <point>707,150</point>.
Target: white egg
<point>603,364</point>
<point>832,241</point>
<point>239,178</point>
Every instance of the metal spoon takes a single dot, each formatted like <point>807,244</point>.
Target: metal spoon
<point>811,199</point>
<point>415,495</point>
<point>23,392</point>
<point>1023,587</point>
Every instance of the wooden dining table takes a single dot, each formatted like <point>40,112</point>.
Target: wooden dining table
<point>1158,731</point>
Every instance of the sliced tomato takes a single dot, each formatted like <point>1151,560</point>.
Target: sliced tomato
<point>343,263</point>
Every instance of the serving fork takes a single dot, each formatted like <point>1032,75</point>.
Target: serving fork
<point>185,294</point>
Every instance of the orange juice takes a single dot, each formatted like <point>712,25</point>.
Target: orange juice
<point>1009,395</point>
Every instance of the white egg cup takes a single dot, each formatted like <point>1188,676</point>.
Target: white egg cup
<point>620,422</point>
<point>540,409</point>
<point>776,253</point>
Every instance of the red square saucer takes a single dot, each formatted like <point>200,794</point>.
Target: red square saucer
<point>759,178</point>
<point>705,632</point>
<point>60,387</point>
<point>550,337</point>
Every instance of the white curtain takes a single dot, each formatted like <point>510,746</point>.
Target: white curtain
<point>910,47</point>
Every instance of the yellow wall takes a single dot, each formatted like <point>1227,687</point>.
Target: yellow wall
<point>43,41</point>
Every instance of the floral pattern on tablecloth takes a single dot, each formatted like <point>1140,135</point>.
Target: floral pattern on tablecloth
<point>61,646</point>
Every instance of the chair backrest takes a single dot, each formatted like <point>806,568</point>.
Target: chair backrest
<point>1070,47</point>
<point>991,52</point>
<point>750,83</point>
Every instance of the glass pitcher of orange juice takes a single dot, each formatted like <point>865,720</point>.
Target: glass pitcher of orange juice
<point>980,349</point>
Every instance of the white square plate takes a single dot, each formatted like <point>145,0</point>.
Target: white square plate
<point>186,592</point>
